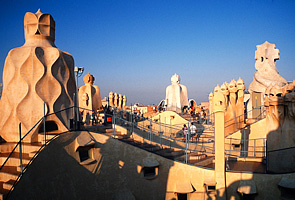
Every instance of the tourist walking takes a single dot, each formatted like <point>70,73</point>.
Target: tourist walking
<point>193,130</point>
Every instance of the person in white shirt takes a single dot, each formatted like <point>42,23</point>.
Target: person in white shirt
<point>193,130</point>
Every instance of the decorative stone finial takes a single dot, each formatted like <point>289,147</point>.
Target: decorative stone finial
<point>216,89</point>
<point>39,26</point>
<point>224,89</point>
<point>267,53</point>
<point>175,78</point>
<point>267,74</point>
<point>38,13</point>
<point>240,84</point>
<point>211,96</point>
<point>276,91</point>
<point>232,86</point>
<point>218,102</point>
<point>88,79</point>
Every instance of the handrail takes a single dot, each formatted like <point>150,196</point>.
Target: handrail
<point>150,131</point>
<point>43,146</point>
<point>257,150</point>
<point>172,128</point>
<point>175,127</point>
<point>19,143</point>
<point>41,119</point>
<point>31,160</point>
<point>246,114</point>
<point>237,120</point>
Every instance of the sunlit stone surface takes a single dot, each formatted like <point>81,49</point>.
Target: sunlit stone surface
<point>35,73</point>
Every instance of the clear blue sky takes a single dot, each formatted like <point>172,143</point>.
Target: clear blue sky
<point>134,47</point>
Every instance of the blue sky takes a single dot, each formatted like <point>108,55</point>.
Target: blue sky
<point>133,47</point>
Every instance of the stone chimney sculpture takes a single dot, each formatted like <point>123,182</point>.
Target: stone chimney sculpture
<point>111,99</point>
<point>34,74</point>
<point>176,95</point>
<point>120,101</point>
<point>89,96</point>
<point>266,75</point>
<point>124,102</point>
<point>116,99</point>
<point>233,93</point>
<point>280,127</point>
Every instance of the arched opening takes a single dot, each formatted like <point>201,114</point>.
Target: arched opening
<point>49,126</point>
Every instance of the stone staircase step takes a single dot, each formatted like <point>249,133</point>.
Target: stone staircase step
<point>156,148</point>
<point>129,139</point>
<point>112,133</point>
<point>19,169</point>
<point>97,128</point>
<point>7,146</point>
<point>165,150</point>
<point>120,136</point>
<point>170,153</point>
<point>147,146</point>
<point>204,162</point>
<point>30,147</point>
<point>31,154</point>
<point>133,142</point>
<point>111,130</point>
<point>177,153</point>
<point>14,160</point>
<point>48,137</point>
<point>197,157</point>
<point>26,147</point>
<point>7,173</point>
<point>8,184</point>
<point>3,191</point>
<point>192,157</point>
<point>151,148</point>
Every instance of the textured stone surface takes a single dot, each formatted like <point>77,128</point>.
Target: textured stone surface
<point>35,73</point>
<point>89,96</point>
<point>233,93</point>
<point>280,123</point>
<point>267,74</point>
<point>118,169</point>
<point>117,100</point>
<point>176,95</point>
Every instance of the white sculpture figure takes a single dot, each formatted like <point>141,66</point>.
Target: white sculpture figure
<point>176,95</point>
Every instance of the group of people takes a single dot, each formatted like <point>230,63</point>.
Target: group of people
<point>189,134</point>
<point>90,118</point>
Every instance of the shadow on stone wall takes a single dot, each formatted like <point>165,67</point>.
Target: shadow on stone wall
<point>56,173</point>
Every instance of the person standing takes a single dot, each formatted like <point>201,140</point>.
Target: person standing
<point>185,131</point>
<point>193,130</point>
